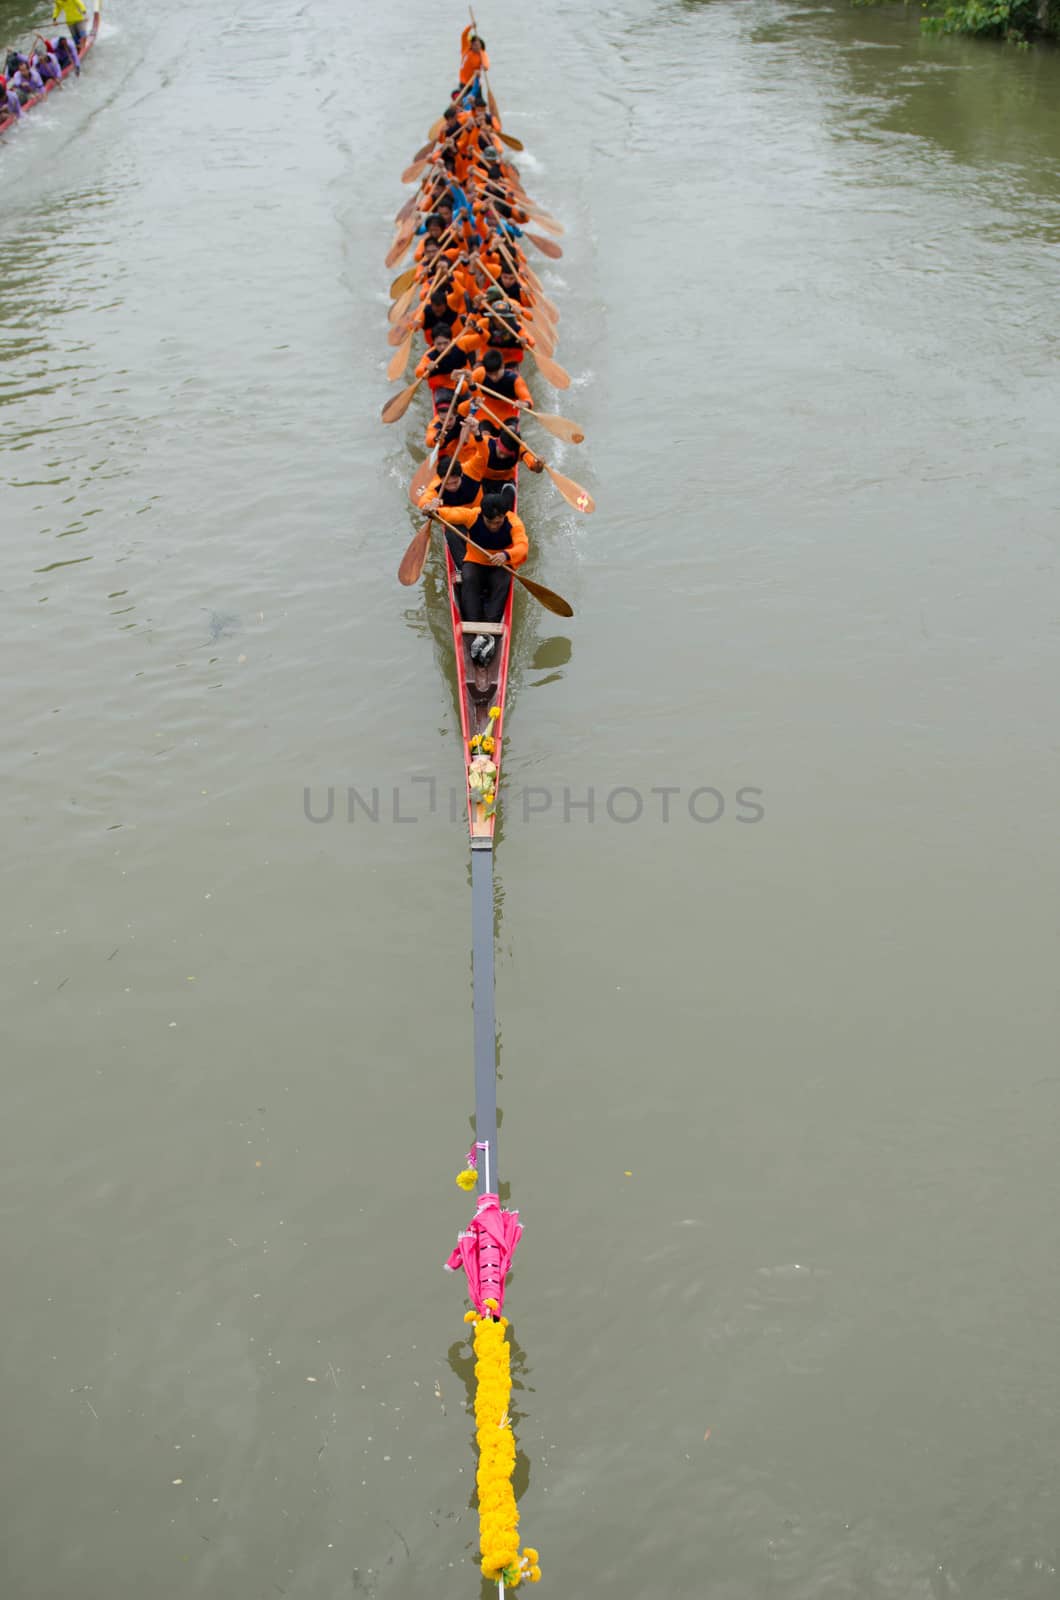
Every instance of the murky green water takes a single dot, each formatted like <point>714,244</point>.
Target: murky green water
<point>808,301</point>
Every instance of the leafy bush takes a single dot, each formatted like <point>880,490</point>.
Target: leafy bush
<point>998,19</point>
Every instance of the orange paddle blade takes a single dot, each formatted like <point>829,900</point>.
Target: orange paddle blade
<point>544,338</point>
<point>420,479</point>
<point>548,222</point>
<point>572,492</point>
<point>403,281</point>
<point>510,140</point>
<point>399,332</point>
<point>424,150</point>
<point>547,247</point>
<point>406,210</point>
<point>552,372</point>
<point>435,129</point>
<point>547,597</point>
<point>399,360</point>
<point>400,244</point>
<point>416,170</point>
<point>401,304</point>
<point>559,427</point>
<point>398,404</point>
<point>415,558</point>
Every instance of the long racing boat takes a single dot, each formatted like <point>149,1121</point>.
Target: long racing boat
<point>483,313</point>
<point>7,120</point>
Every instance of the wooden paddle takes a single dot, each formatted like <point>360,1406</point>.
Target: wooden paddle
<point>547,597</point>
<point>531,281</point>
<point>406,210</point>
<point>398,404</point>
<point>409,278</point>
<point>421,476</point>
<point>399,360</point>
<point>541,333</point>
<point>547,247</point>
<point>403,281</point>
<point>401,329</point>
<point>415,558</point>
<point>417,169</point>
<point>572,492</point>
<point>551,371</point>
<point>402,240</point>
<point>509,140</point>
<point>522,201</point>
<point>397,311</point>
<point>560,427</point>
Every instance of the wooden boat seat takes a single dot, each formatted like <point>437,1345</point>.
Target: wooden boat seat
<point>496,628</point>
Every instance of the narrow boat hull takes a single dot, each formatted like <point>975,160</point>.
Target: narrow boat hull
<point>480,689</point>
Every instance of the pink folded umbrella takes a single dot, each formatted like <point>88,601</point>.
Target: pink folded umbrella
<point>485,1252</point>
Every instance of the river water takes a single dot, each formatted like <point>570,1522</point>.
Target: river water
<point>779,1074</point>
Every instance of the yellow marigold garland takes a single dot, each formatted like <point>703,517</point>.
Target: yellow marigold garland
<point>498,1517</point>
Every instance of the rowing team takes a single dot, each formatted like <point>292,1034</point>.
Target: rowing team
<point>472,305</point>
<point>24,77</point>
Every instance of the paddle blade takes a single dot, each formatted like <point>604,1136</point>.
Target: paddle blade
<point>547,247</point>
<point>435,129</point>
<point>399,360</point>
<point>493,108</point>
<point>416,170</point>
<point>421,478</point>
<point>399,332</point>
<point>559,427</point>
<point>415,558</point>
<point>398,404</point>
<point>547,597</point>
<point>544,338</point>
<point>548,222</point>
<point>552,372</point>
<point>406,210</point>
<point>401,243</point>
<point>424,150</point>
<point>403,281</point>
<point>510,140</point>
<point>397,311</point>
<point>572,492</point>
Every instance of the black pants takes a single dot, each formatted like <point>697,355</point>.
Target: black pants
<point>457,547</point>
<point>484,592</point>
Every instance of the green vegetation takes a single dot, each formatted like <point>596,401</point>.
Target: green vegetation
<point>1017,21</point>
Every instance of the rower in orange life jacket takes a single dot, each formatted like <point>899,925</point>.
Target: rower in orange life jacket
<point>473,57</point>
<point>441,363</point>
<point>500,331</point>
<point>463,487</point>
<point>504,455</point>
<point>487,573</point>
<point>512,289</point>
<point>507,386</point>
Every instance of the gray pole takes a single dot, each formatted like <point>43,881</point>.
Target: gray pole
<point>485,1013</point>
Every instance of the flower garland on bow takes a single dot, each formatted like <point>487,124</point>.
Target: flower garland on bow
<point>482,769</point>
<point>498,1517</point>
